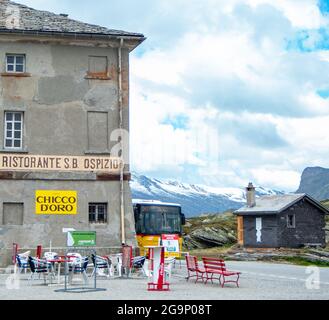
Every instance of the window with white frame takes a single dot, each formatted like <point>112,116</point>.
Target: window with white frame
<point>291,221</point>
<point>15,63</point>
<point>13,130</point>
<point>97,212</point>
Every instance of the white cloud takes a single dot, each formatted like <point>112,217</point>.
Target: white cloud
<point>301,13</point>
<point>309,136</point>
<point>149,68</point>
<point>271,88</point>
<point>280,179</point>
<point>314,102</point>
<point>155,145</point>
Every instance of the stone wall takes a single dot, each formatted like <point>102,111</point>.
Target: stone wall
<point>269,238</point>
<point>310,224</point>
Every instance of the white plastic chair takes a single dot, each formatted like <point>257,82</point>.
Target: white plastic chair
<point>50,255</point>
<point>100,264</point>
<point>116,264</point>
<point>169,263</point>
<point>74,256</point>
<point>22,262</point>
<point>78,266</point>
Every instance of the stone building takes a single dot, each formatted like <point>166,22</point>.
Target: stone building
<point>288,221</point>
<point>64,111</point>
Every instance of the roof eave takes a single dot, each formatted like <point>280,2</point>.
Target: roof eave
<point>302,196</point>
<point>254,213</point>
<point>139,38</point>
<point>317,204</point>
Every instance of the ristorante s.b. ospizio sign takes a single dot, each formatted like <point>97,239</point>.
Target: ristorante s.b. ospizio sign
<point>18,162</point>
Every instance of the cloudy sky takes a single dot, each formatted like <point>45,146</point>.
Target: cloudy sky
<point>223,91</point>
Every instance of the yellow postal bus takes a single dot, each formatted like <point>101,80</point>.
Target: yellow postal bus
<point>154,219</point>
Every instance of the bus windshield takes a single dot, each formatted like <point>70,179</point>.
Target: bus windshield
<point>159,220</point>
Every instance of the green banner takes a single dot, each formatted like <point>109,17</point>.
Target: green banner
<point>81,239</point>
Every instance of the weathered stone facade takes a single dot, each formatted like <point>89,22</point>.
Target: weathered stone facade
<point>70,108</point>
<point>310,226</point>
<point>269,232</point>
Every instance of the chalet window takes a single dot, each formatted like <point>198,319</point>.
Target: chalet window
<point>13,135</point>
<point>291,223</point>
<point>98,213</point>
<point>15,63</point>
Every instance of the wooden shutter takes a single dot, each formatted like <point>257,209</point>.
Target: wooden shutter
<point>240,230</point>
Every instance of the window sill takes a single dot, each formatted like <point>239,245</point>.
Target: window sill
<point>13,151</point>
<point>97,76</point>
<point>13,74</point>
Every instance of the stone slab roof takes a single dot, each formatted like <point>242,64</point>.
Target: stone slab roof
<point>15,16</point>
<point>275,204</point>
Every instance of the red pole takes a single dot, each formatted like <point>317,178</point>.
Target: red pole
<point>39,252</point>
<point>161,271</point>
<point>15,251</point>
<point>131,256</point>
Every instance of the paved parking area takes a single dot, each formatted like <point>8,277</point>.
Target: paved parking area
<point>258,281</point>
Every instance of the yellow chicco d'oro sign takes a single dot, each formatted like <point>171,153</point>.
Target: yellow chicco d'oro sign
<point>56,202</point>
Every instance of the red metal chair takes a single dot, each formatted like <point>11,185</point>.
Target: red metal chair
<point>127,258</point>
<point>215,266</point>
<point>193,268</point>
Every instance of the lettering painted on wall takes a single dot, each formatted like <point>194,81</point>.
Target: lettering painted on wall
<point>60,163</point>
<point>51,202</point>
<point>259,229</point>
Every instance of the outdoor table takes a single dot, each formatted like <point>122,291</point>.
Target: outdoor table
<point>59,262</point>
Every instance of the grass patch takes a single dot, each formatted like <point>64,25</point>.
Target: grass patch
<point>325,203</point>
<point>226,221</point>
<point>211,252</point>
<point>300,261</point>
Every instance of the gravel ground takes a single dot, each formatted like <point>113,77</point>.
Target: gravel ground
<point>258,281</point>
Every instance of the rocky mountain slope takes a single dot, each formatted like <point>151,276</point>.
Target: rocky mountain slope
<point>315,182</point>
<point>210,231</point>
<point>195,199</point>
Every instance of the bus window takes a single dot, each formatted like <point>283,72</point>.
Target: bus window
<point>159,219</point>
<point>170,223</point>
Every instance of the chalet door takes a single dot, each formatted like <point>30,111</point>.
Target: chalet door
<point>240,230</point>
<point>259,229</point>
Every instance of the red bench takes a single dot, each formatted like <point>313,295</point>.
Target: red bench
<point>215,266</point>
<point>193,268</point>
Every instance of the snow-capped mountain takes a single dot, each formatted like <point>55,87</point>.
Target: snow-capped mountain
<point>195,199</point>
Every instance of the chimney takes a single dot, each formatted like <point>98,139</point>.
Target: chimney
<point>251,195</point>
